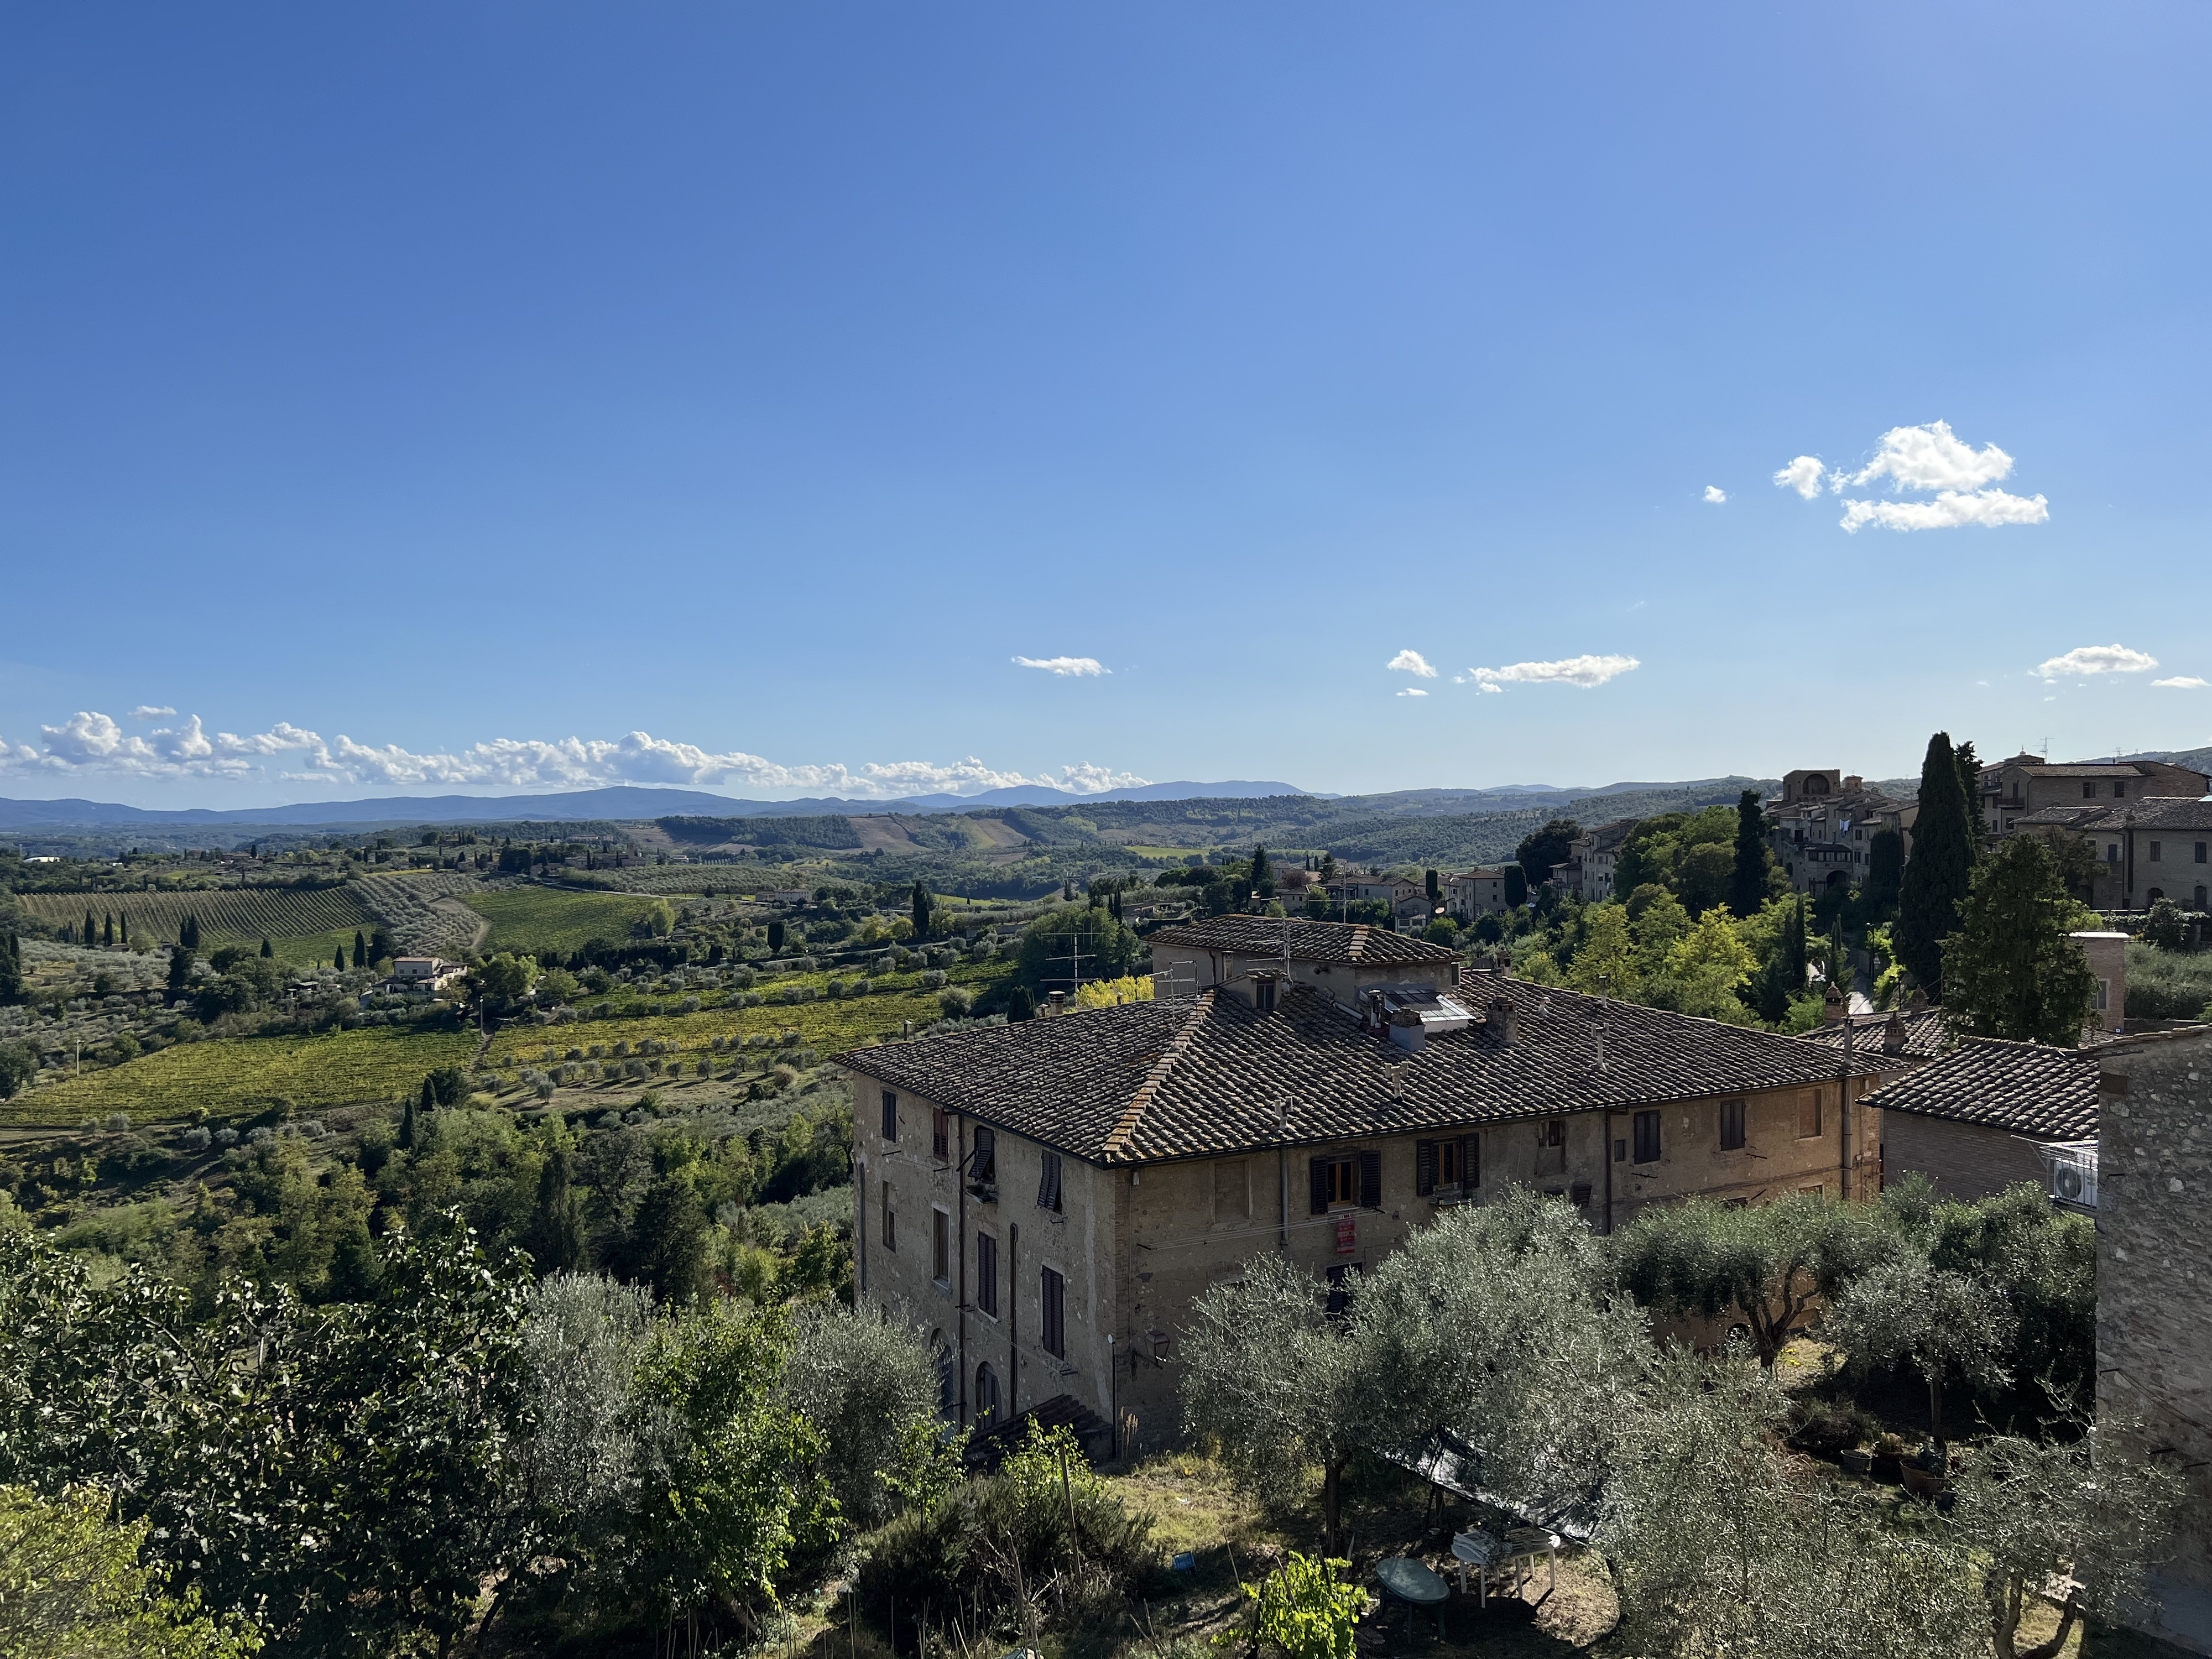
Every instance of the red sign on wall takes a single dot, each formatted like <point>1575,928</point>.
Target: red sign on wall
<point>1347,1239</point>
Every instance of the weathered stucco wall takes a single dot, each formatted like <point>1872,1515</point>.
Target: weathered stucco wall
<point>1965,1160</point>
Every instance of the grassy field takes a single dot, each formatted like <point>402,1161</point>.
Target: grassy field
<point>236,1077</point>
<point>531,919</point>
<point>300,927</point>
<point>826,1026</point>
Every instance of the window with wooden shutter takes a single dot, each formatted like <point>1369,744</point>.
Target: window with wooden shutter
<point>1049,1182</point>
<point>1054,1336</point>
<point>940,1247</point>
<point>1732,1126</point>
<point>940,1132</point>
<point>890,1219</point>
<point>1647,1137</point>
<point>891,1115</point>
<point>1425,1167</point>
<point>983,1158</point>
<point>986,1274</point>
<point>1323,1169</point>
<point>1470,1161</point>
<point>1370,1181</point>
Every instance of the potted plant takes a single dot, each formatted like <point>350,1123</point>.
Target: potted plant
<point>1889,1460</point>
<point>1924,1472</point>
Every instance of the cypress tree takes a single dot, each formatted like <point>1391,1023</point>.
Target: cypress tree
<point>265,950</point>
<point>410,1126</point>
<point>1263,873</point>
<point>555,1239</point>
<point>2011,970</point>
<point>91,929</point>
<point>1435,889</point>
<point>123,927</point>
<point>338,961</point>
<point>359,950</point>
<point>921,909</point>
<point>1748,882</point>
<point>107,930</point>
<point>1940,871</point>
<point>11,968</point>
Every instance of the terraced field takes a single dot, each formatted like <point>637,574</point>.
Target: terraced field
<point>238,1077</point>
<point>827,1026</point>
<point>528,920</point>
<point>300,925</point>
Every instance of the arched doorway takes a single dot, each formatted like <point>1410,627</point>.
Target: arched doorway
<point>987,1397</point>
<point>2198,904</point>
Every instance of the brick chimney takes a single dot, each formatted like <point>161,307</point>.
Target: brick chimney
<point>1501,1021</point>
<point>2108,961</point>
<point>1833,1007</point>
<point>1893,1035</point>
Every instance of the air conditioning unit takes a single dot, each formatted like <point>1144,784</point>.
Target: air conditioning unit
<point>2073,1170</point>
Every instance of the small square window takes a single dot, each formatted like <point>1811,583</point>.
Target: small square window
<point>2119,790</point>
<point>2089,789</point>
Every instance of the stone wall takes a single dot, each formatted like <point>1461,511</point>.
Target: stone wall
<point>2154,1285</point>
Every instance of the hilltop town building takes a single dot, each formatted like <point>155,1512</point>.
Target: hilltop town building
<point>2159,847</point>
<point>1824,822</point>
<point>1047,1199</point>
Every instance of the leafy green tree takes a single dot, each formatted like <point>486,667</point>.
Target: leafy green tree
<point>72,1587</point>
<point>1540,849</point>
<point>1747,879</point>
<point>1061,947</point>
<point>2011,970</point>
<point>1772,1263</point>
<point>920,904</point>
<point>720,1511</point>
<point>180,969</point>
<point>1781,978</point>
<point>507,978</point>
<point>1304,1610</point>
<point>19,1064</point>
<point>1605,962</point>
<point>1263,873</point>
<point>1946,838</point>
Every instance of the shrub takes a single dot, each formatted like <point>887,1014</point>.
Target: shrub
<point>2166,985</point>
<point>956,1002</point>
<point>1825,1427</point>
<point>1302,1608</point>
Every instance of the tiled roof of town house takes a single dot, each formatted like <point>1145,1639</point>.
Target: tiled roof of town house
<point>2089,769</point>
<point>1925,1035</point>
<point>1149,1081</point>
<point>1307,941</point>
<point>2147,812</point>
<point>2024,1088</point>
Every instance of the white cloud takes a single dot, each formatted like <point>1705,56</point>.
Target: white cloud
<point>1987,508</point>
<point>1068,667</point>
<point>1924,458</point>
<point>150,711</point>
<point>1803,475</point>
<point>1714,495</point>
<point>2098,659</point>
<point>1929,458</point>
<point>1585,672</point>
<point>2183,683</point>
<point>1488,686</point>
<point>94,743</point>
<point>1412,691</point>
<point>1410,661</point>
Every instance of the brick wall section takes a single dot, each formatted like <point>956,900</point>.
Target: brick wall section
<point>1965,1160</point>
<point>2154,1283</point>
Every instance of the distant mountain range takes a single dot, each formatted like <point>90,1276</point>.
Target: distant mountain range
<point>618,804</point>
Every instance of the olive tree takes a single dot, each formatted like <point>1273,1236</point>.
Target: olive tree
<point>1770,1262</point>
<point>869,1387</point>
<point>1949,1326</point>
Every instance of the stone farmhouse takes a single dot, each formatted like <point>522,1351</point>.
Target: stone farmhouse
<point>1473,893</point>
<point>1985,1116</point>
<point>1047,1199</point>
<point>2012,790</point>
<point>1591,856</point>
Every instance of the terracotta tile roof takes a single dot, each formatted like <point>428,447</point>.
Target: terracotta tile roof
<point>1924,1035</point>
<point>1308,941</point>
<point>1149,1081</point>
<point>2025,1087</point>
<point>2149,812</point>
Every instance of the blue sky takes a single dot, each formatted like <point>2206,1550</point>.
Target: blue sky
<point>430,397</point>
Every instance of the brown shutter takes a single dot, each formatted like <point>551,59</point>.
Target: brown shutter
<point>1425,1167</point>
<point>1370,1181</point>
<point>1470,1161</point>
<point>1320,1167</point>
